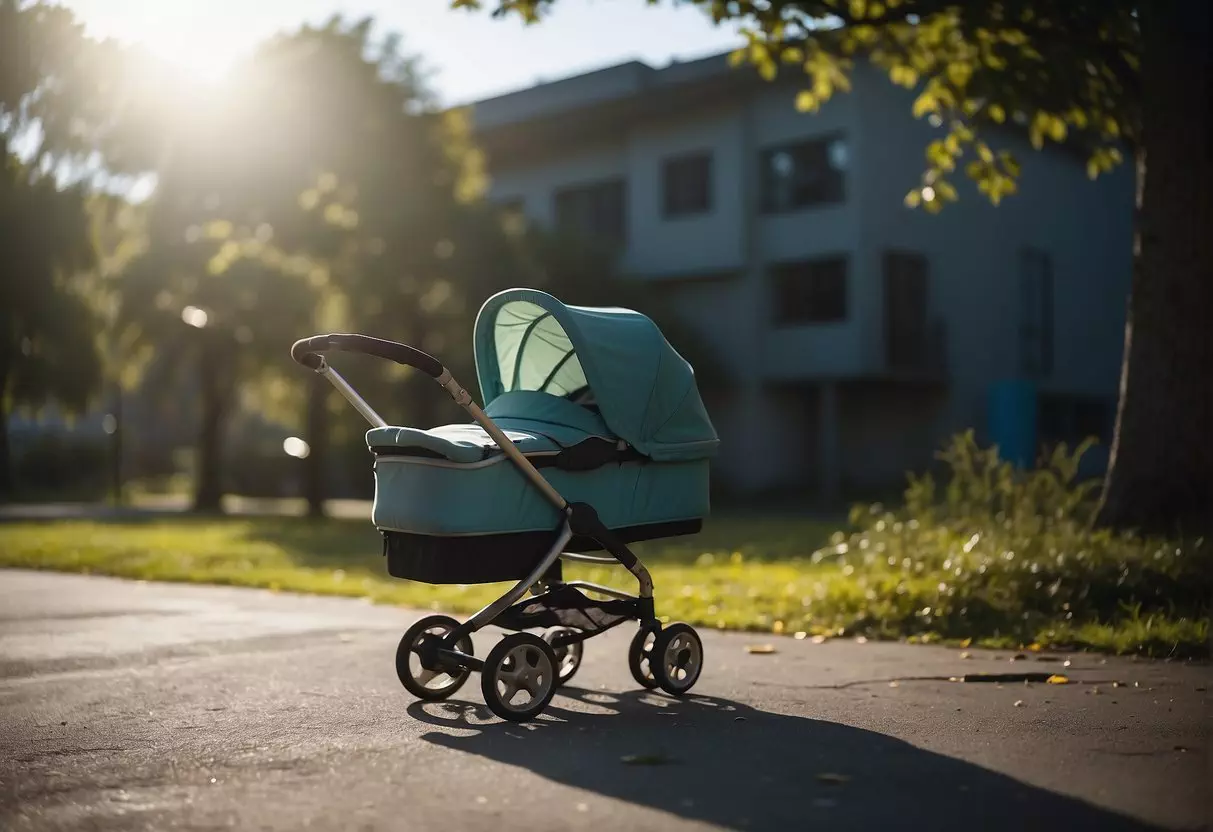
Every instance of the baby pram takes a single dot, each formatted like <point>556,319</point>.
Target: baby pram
<point>593,436</point>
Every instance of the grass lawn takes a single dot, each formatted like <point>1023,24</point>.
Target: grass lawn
<point>743,572</point>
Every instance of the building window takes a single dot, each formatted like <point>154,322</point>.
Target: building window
<point>593,210</point>
<point>1035,313</point>
<point>905,310</point>
<point>809,292</point>
<point>686,183</point>
<point>804,174</point>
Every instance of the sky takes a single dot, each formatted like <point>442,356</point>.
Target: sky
<point>471,55</point>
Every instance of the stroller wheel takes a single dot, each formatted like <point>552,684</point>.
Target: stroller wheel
<point>568,656</point>
<point>677,658</point>
<point>417,664</point>
<point>640,653</point>
<point>519,677</point>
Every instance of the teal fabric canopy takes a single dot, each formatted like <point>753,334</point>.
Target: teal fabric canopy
<point>615,358</point>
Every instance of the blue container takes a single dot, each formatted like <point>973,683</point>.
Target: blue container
<point>1012,421</point>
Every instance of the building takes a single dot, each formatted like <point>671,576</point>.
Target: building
<point>859,333</point>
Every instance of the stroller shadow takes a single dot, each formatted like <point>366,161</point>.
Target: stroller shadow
<point>712,760</point>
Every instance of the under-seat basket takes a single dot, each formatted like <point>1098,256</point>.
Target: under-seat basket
<point>567,606</point>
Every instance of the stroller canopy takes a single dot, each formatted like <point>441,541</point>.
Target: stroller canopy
<point>527,340</point>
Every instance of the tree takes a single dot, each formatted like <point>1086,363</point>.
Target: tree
<point>48,325</point>
<point>1107,76</point>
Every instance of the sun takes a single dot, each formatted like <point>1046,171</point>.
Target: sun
<point>203,39</point>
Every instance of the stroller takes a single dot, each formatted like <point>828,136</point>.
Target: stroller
<point>593,436</point>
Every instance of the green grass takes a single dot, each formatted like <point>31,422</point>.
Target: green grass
<point>756,573</point>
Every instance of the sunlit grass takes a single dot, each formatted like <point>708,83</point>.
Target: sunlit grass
<point>749,573</point>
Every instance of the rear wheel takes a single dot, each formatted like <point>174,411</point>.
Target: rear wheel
<point>640,653</point>
<point>417,663</point>
<point>568,656</point>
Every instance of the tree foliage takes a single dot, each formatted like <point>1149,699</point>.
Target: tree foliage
<point>1064,72</point>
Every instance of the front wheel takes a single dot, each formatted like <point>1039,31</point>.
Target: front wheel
<point>417,663</point>
<point>519,677</point>
<point>677,658</point>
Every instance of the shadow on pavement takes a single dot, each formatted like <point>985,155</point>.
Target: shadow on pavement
<point>712,760</point>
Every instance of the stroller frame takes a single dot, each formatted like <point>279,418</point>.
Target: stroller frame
<point>668,657</point>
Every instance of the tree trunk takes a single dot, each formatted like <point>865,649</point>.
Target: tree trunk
<point>317,437</point>
<point>208,487</point>
<point>1161,464</point>
<point>7,486</point>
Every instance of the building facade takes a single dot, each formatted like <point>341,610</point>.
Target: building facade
<point>858,334</point>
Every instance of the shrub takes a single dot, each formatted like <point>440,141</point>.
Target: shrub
<point>1012,556</point>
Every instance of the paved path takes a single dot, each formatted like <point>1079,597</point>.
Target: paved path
<point>143,706</point>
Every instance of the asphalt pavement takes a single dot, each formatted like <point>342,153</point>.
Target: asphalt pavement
<point>128,705</point>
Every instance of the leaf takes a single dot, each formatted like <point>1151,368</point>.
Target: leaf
<point>833,779</point>
<point>923,104</point>
<point>903,75</point>
<point>968,642</point>
<point>1058,679</point>
<point>997,113</point>
<point>645,760</point>
<point>760,649</point>
<point>806,102</point>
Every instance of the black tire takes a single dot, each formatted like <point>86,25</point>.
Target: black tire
<point>677,658</point>
<point>568,657</point>
<point>429,630</point>
<point>639,653</point>
<point>537,662</point>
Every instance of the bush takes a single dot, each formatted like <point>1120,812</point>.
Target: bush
<point>62,465</point>
<point>1012,557</point>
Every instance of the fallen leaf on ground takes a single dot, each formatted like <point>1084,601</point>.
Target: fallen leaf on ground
<point>966,655</point>
<point>800,635</point>
<point>760,649</point>
<point>894,684</point>
<point>1017,657</point>
<point>645,760</point>
<point>1058,679</point>
<point>861,640</point>
<point>832,778</point>
<point>1018,703</point>
<point>1034,647</point>
<point>819,639</point>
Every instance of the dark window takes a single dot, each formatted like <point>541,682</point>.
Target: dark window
<point>1035,313</point>
<point>593,210</point>
<point>687,185</point>
<point>905,310</point>
<point>804,174</point>
<point>809,292</point>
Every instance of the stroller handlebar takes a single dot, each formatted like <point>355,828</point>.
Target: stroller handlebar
<point>306,351</point>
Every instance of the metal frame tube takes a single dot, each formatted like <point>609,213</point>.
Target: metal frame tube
<point>351,395</point>
<point>489,613</point>
<point>588,558</point>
